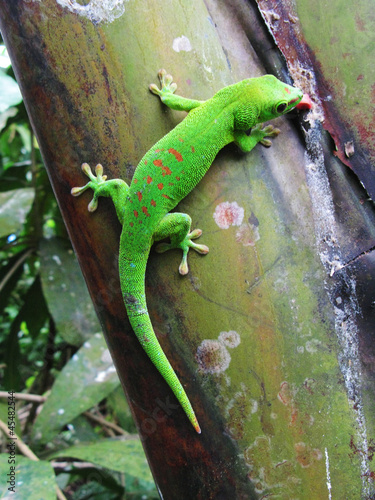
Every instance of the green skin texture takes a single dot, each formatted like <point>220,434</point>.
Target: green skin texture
<point>167,173</point>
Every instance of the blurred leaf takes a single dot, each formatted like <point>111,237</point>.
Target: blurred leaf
<point>66,292</point>
<point>8,113</point>
<point>115,454</point>
<point>84,381</point>
<point>14,206</point>
<point>34,480</point>
<point>140,489</point>
<point>12,355</point>
<point>15,142</point>
<point>24,132</point>
<point>15,177</point>
<point>34,313</point>
<point>98,484</point>
<point>10,273</point>
<point>120,407</point>
<point>80,429</point>
<point>4,57</point>
<point>10,94</point>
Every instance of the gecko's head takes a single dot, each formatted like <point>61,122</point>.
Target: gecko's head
<point>258,100</point>
<point>275,98</point>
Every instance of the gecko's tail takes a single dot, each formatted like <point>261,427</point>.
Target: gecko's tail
<point>133,289</point>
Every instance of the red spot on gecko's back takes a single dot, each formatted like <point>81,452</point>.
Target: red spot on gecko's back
<point>135,213</point>
<point>139,194</point>
<point>145,211</point>
<point>160,186</point>
<point>176,154</point>
<point>149,179</point>
<point>287,90</point>
<point>153,203</point>
<point>165,170</point>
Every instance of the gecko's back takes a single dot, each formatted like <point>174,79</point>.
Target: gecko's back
<point>174,166</point>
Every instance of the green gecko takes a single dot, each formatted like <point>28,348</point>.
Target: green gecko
<point>166,174</point>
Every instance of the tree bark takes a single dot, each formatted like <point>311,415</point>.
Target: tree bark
<point>264,357</point>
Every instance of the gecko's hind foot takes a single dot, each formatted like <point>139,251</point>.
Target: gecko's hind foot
<point>202,249</point>
<point>184,268</point>
<point>166,84</point>
<point>185,246</point>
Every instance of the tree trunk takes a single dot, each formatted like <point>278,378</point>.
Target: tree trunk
<point>263,332</point>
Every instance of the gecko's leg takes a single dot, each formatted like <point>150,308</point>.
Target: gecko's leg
<point>177,227</point>
<point>116,189</point>
<point>248,140</point>
<point>167,94</point>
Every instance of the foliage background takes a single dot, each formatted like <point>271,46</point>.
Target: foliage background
<point>47,339</point>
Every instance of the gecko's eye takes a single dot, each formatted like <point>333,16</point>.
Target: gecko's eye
<point>280,108</point>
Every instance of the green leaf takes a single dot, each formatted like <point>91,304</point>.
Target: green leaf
<point>84,381</point>
<point>10,94</point>
<point>66,293</point>
<point>8,113</point>
<point>80,430</point>
<point>4,57</point>
<point>15,144</point>
<point>14,206</point>
<point>34,480</point>
<point>98,484</point>
<point>15,177</point>
<point>10,273</point>
<point>118,403</point>
<point>116,454</point>
<point>34,313</point>
<point>24,132</point>
<point>12,376</point>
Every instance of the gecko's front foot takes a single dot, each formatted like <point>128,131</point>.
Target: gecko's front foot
<point>167,87</point>
<point>185,246</point>
<point>96,183</point>
<point>261,134</point>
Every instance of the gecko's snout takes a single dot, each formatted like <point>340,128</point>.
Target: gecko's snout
<point>305,103</point>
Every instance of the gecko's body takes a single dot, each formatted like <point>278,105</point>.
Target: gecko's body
<point>167,173</point>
